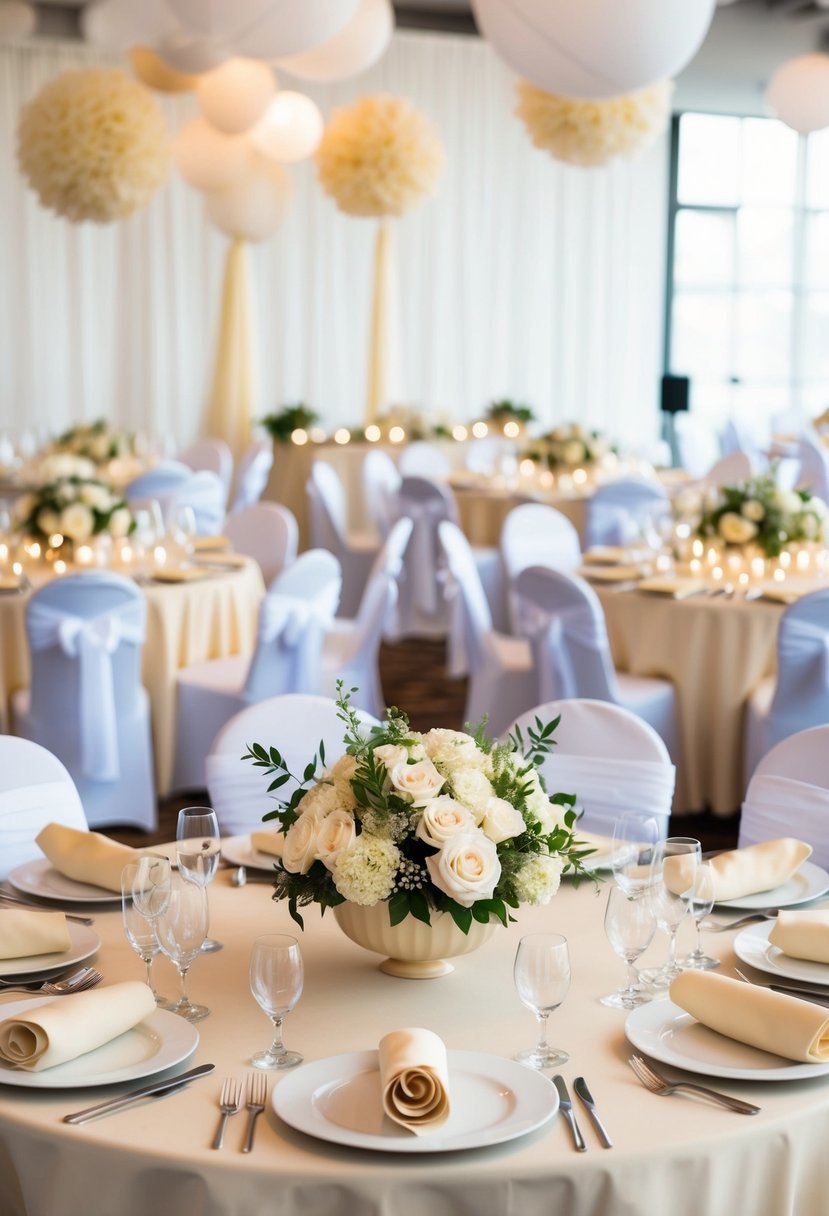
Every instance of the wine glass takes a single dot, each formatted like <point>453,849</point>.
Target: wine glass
<point>181,930</point>
<point>276,983</point>
<point>635,837</point>
<point>674,871</point>
<point>151,885</point>
<point>139,930</point>
<point>542,978</point>
<point>630,924</point>
<point>197,849</point>
<point>702,901</point>
<point>183,529</point>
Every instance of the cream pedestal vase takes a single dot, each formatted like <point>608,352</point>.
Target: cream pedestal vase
<point>416,951</point>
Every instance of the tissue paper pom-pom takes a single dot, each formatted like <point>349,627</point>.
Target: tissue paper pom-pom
<point>594,132</point>
<point>379,157</point>
<point>93,145</point>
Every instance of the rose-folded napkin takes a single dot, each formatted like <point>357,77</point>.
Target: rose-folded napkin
<point>783,1025</point>
<point>85,856</point>
<point>802,935</point>
<point>70,1026</point>
<point>739,872</point>
<point>414,1079</point>
<point>268,842</point>
<point>24,933</point>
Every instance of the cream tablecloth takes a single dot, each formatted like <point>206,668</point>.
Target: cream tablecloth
<point>186,623</point>
<point>672,1156</point>
<point>482,512</point>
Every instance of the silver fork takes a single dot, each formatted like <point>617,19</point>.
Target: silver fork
<point>257,1097</point>
<point>660,1085</point>
<point>715,926</point>
<point>230,1103</point>
<point>80,981</point>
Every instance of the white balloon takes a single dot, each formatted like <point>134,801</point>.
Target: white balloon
<point>265,29</point>
<point>16,19</point>
<point>255,206</point>
<point>798,93</point>
<point>207,159</point>
<point>236,95</point>
<point>290,129</point>
<point>595,48</point>
<point>121,23</point>
<point>353,50</point>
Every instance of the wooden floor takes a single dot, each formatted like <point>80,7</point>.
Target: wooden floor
<point>413,675</point>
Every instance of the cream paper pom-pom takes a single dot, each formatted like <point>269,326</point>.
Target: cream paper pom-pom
<point>594,132</point>
<point>93,145</point>
<point>379,157</point>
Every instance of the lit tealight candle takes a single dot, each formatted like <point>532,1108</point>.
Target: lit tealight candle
<point>695,565</point>
<point>34,549</point>
<point>785,559</point>
<point>460,433</point>
<point>697,548</point>
<point>547,480</point>
<point>60,566</point>
<point>527,468</point>
<point>712,557</point>
<point>160,555</point>
<point>342,435</point>
<point>742,578</point>
<point>373,433</point>
<point>299,436</point>
<point>683,531</point>
<point>716,574</point>
<point>480,430</point>
<point>779,575</point>
<point>803,560</point>
<point>126,554</point>
<point>579,476</point>
<point>758,567</point>
<point>396,434</point>
<point>56,540</point>
<point>84,555</point>
<point>17,568</point>
<point>4,552</point>
<point>663,563</point>
<point>317,434</point>
<point>512,430</point>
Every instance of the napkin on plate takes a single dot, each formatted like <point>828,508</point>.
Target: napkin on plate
<point>205,544</point>
<point>760,867</point>
<point>268,842</point>
<point>614,555</point>
<point>85,856</point>
<point>180,574</point>
<point>23,933</point>
<point>613,574</point>
<point>676,588</point>
<point>783,1025</point>
<point>802,935</point>
<point>414,1079</point>
<point>229,561</point>
<point>68,1026</point>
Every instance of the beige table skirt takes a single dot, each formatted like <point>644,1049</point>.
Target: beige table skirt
<point>671,1156</point>
<point>482,513</point>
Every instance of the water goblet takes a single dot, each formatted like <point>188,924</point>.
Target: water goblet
<point>183,530</point>
<point>635,837</point>
<point>674,870</point>
<point>276,983</point>
<point>542,978</point>
<point>702,901</point>
<point>197,849</point>
<point>151,885</point>
<point>630,924</point>
<point>181,930</point>
<point>139,931</point>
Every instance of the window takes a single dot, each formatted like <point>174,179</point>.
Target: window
<point>748,301</point>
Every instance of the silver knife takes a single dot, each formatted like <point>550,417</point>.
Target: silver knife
<point>807,994</point>
<point>149,1091</point>
<point>580,1086</point>
<point>17,902</point>
<point>567,1110</point>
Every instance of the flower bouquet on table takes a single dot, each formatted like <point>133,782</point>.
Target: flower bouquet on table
<point>96,441</point>
<point>74,509</point>
<point>436,822</point>
<point>757,513</point>
<point>571,446</point>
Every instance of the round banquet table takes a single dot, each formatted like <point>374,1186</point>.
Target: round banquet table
<point>482,511</point>
<point>675,1155</point>
<point>187,623</point>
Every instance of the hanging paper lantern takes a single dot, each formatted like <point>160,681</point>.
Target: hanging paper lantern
<point>798,93</point>
<point>17,20</point>
<point>595,48</point>
<point>264,29</point>
<point>208,160</point>
<point>252,208</point>
<point>235,95</point>
<point>290,129</point>
<point>156,74</point>
<point>354,49</point>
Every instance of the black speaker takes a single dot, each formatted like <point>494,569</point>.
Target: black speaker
<point>675,393</point>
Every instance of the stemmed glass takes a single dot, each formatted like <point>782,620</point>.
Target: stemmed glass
<point>181,930</point>
<point>276,983</point>
<point>197,849</point>
<point>139,930</point>
<point>183,530</point>
<point>702,901</point>
<point>542,978</point>
<point>674,872</point>
<point>635,837</point>
<point>151,885</point>
<point>630,924</point>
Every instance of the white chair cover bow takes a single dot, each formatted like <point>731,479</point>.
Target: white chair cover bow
<point>553,634</point>
<point>423,557</point>
<point>606,788</point>
<point>780,806</point>
<point>26,810</point>
<point>299,626</point>
<point>803,656</point>
<point>92,641</point>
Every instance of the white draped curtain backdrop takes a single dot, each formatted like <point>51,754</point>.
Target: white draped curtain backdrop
<point>522,278</point>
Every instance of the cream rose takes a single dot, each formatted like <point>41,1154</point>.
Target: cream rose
<point>466,868</point>
<point>299,852</point>
<point>735,530</point>
<point>573,452</point>
<point>753,509</point>
<point>77,522</point>
<point>443,818</point>
<point>788,502</point>
<point>421,782</point>
<point>48,521</point>
<point>501,820</point>
<point>120,521</point>
<point>95,496</point>
<point>391,754</point>
<point>336,832</point>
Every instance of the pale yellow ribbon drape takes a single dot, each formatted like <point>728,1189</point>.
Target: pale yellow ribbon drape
<point>383,381</point>
<point>234,392</point>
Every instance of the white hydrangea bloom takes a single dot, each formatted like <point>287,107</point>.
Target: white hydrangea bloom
<point>364,873</point>
<point>538,881</point>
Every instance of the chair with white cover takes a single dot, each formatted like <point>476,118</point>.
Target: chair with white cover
<point>381,483</point>
<point>35,789</point>
<point>421,459</point>
<point>502,678</point>
<point>86,703</point>
<point>572,655</point>
<point>788,794</point>
<point>729,470</point>
<point>214,455</point>
<point>160,483</point>
<point>798,696</point>
<point>610,758</point>
<point>814,466</point>
<point>267,532</point>
<point>620,511</point>
<point>252,474</point>
<point>352,647</point>
<point>205,494</point>
<point>697,444</point>
<point>295,723</point>
<point>534,534</point>
<point>293,620</point>
<point>355,551</point>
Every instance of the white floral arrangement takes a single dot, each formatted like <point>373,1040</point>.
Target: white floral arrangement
<point>571,446</point>
<point>58,466</point>
<point>756,512</point>
<point>96,442</point>
<point>443,821</point>
<point>74,508</point>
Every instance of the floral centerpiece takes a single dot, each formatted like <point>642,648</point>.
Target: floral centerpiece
<point>511,417</point>
<point>756,512</point>
<point>570,446</point>
<point>75,509</point>
<point>290,418</point>
<point>97,442</point>
<point>437,822</point>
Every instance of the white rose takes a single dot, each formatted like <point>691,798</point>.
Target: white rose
<point>753,510</point>
<point>77,522</point>
<point>466,868</point>
<point>735,530</point>
<point>120,521</point>
<point>422,781</point>
<point>336,832</point>
<point>808,523</point>
<point>95,496</point>
<point>391,754</point>
<point>299,851</point>
<point>502,821</point>
<point>818,507</point>
<point>573,452</point>
<point>443,818</point>
<point>788,502</point>
<point>48,521</point>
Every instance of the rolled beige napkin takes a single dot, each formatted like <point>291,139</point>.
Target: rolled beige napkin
<point>85,856</point>
<point>760,867</point>
<point>268,842</point>
<point>70,1026</point>
<point>783,1025</point>
<point>23,933</point>
<point>802,935</point>
<point>414,1078</point>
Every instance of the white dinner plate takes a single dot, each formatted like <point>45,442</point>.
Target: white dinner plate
<point>669,1034</point>
<point>753,947</point>
<point>807,883</point>
<point>338,1099</point>
<point>238,851</point>
<point>83,942</point>
<point>160,1041</point>
<point>41,879</point>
